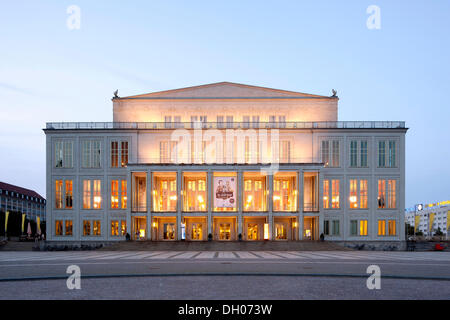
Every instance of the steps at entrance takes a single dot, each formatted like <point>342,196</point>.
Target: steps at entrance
<point>224,246</point>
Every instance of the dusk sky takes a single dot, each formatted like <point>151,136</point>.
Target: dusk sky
<point>398,72</point>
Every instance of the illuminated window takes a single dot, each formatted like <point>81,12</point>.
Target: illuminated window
<point>97,228</point>
<point>224,231</point>
<point>86,228</point>
<point>58,227</point>
<point>69,228</point>
<point>97,204</point>
<point>123,194</point>
<point>164,191</point>
<point>363,227</point>
<point>363,194</point>
<point>381,227</point>
<point>335,202</point>
<point>123,227</point>
<point>114,227</point>
<point>310,191</point>
<point>194,191</point>
<point>391,228</point>
<point>285,193</point>
<point>86,194</point>
<point>114,194</point>
<point>139,191</point>
<point>326,194</point>
<point>353,193</point>
<point>224,193</point>
<point>58,194</point>
<point>255,192</point>
<point>391,194</point>
<point>69,194</point>
<point>119,151</point>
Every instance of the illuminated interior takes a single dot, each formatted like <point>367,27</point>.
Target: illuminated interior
<point>194,191</point>
<point>255,192</point>
<point>280,231</point>
<point>310,191</point>
<point>164,191</point>
<point>285,191</point>
<point>139,191</point>
<point>252,231</point>
<point>197,231</point>
<point>169,231</point>
<point>224,231</point>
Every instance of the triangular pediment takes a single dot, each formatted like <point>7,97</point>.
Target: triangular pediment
<point>225,90</point>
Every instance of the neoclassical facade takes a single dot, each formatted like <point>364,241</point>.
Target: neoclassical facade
<point>226,162</point>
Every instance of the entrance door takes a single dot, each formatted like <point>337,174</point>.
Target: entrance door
<point>139,228</point>
<point>252,232</point>
<point>168,231</point>
<point>281,231</point>
<point>310,228</point>
<point>197,231</point>
<point>225,231</point>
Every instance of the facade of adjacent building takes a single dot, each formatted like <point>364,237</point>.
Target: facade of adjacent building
<point>229,162</point>
<point>430,218</point>
<point>18,199</point>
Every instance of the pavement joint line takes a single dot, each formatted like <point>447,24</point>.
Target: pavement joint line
<point>221,274</point>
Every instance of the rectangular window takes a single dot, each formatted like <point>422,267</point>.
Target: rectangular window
<point>91,154</point>
<point>326,194</point>
<point>353,193</point>
<point>326,152</point>
<point>381,227</point>
<point>363,153</point>
<point>335,202</point>
<point>164,191</point>
<point>86,194</point>
<point>123,228</point>
<point>139,191</point>
<point>391,228</point>
<point>353,153</point>
<point>119,150</point>
<point>63,154</point>
<point>381,154</point>
<point>363,194</point>
<point>114,227</point>
<point>255,191</point>
<point>335,228</point>
<point>194,191</point>
<point>69,194</point>
<point>69,228</point>
<point>285,152</point>
<point>97,194</point>
<point>326,227</point>
<point>282,121</point>
<point>114,194</point>
<point>229,122</point>
<point>285,191</point>
<point>58,194</point>
<point>363,228</point>
<point>330,153</point>
<point>59,227</point>
<point>391,154</point>
<point>219,121</point>
<point>97,230</point>
<point>123,194</point>
<point>353,227</point>
<point>86,228</point>
<point>391,194</point>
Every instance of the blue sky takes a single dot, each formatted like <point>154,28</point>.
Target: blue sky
<point>399,72</point>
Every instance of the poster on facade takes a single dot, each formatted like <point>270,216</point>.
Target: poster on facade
<point>225,192</point>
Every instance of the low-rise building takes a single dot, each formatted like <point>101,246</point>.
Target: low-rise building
<point>430,218</point>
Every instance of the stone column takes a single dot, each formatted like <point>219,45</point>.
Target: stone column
<point>179,202</point>
<point>300,204</point>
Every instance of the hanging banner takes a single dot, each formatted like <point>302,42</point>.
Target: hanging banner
<point>225,192</point>
<point>431,221</point>
<point>38,225</point>
<point>416,223</point>
<point>23,221</point>
<point>6,221</point>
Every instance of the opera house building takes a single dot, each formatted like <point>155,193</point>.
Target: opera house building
<point>225,162</point>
